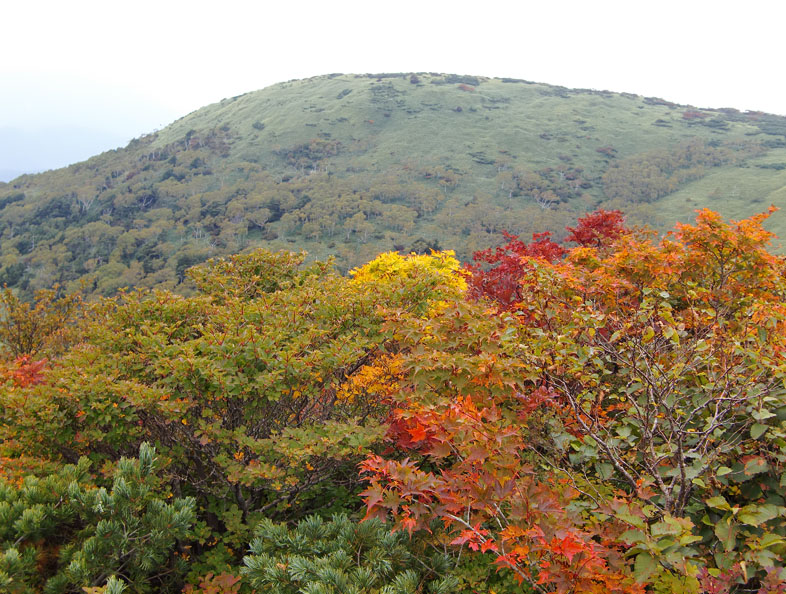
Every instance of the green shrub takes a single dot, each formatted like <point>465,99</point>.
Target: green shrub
<point>62,533</point>
<point>343,557</point>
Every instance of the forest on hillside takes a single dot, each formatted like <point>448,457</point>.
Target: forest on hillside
<point>599,412</point>
<point>350,166</point>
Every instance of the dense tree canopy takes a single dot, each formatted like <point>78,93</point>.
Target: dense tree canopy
<point>601,415</point>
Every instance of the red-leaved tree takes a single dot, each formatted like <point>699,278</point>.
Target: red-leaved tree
<point>622,431</point>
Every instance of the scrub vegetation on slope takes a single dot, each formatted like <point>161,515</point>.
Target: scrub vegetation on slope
<point>351,165</point>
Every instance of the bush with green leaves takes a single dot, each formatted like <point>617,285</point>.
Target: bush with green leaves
<point>341,556</point>
<point>62,533</point>
<point>246,387</point>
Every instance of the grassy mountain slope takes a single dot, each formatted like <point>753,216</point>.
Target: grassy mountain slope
<point>351,165</point>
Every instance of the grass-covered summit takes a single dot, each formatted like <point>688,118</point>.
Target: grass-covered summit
<point>352,165</point>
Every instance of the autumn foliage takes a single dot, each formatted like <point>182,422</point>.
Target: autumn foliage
<point>497,272</point>
<point>605,419</point>
<point>602,415</point>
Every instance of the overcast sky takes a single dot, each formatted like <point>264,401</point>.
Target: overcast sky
<point>116,70</point>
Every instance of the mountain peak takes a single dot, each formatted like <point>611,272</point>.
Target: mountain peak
<point>353,164</point>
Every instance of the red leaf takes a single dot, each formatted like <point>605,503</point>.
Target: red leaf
<point>418,433</point>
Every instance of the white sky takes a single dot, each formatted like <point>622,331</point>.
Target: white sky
<point>126,68</point>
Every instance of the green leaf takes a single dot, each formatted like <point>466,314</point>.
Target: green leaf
<point>718,502</point>
<point>754,515</point>
<point>769,540</point>
<point>644,567</point>
<point>687,539</point>
<point>757,430</point>
<point>761,415</point>
<point>723,470</point>
<point>604,471</point>
<point>667,527</point>
<point>633,536</point>
<point>670,333</point>
<point>624,431</point>
<point>726,533</point>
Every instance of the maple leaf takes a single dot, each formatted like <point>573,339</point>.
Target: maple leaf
<point>409,524</point>
<point>569,546</point>
<point>465,537</point>
<point>417,433</point>
<point>373,495</point>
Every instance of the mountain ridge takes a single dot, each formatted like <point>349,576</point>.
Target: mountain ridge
<point>351,165</point>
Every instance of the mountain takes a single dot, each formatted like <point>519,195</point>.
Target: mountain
<point>351,165</point>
